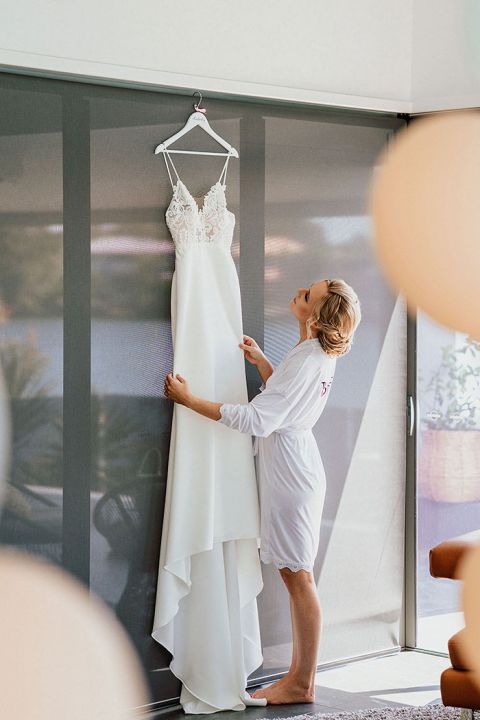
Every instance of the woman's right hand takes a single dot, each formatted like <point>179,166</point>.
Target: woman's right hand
<point>251,350</point>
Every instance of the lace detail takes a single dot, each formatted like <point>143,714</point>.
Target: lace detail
<point>190,225</point>
<point>295,567</point>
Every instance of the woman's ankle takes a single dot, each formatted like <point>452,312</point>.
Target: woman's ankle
<point>302,682</point>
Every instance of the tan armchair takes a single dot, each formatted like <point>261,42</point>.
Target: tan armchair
<point>456,684</point>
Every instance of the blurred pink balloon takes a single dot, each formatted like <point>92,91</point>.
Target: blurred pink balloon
<point>425,205</point>
<point>63,653</point>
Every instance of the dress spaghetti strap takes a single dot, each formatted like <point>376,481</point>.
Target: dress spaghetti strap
<point>224,170</point>
<point>165,153</point>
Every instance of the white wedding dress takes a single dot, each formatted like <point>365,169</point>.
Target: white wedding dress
<point>209,569</point>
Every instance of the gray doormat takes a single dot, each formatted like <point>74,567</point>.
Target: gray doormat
<point>425,712</point>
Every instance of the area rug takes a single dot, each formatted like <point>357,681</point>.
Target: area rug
<point>426,712</point>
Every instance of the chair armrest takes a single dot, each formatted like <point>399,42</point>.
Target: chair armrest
<point>445,557</point>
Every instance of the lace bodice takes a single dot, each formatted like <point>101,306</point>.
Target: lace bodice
<point>190,225</point>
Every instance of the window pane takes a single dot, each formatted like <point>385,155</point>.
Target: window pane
<point>31,310</point>
<point>448,459</point>
<point>317,178</point>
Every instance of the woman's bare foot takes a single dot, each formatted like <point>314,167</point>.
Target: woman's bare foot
<point>281,681</point>
<point>286,691</point>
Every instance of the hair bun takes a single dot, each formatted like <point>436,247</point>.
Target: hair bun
<point>337,315</point>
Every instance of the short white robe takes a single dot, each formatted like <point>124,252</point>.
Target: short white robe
<point>290,472</point>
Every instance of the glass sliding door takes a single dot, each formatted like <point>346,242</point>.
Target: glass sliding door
<point>317,174</point>
<point>85,284</point>
<point>448,461</point>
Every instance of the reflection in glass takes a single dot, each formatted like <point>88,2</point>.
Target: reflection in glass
<point>131,349</point>
<point>31,334</point>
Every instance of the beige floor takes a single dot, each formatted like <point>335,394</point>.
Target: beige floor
<point>405,679</point>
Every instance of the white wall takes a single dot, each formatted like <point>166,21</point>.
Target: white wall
<point>392,55</point>
<point>445,54</point>
<point>348,53</point>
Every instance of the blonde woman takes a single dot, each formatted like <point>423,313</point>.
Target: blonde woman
<point>290,473</point>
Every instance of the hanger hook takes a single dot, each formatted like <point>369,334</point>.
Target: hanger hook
<point>197,108</point>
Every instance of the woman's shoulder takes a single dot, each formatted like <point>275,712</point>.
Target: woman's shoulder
<point>307,352</point>
<point>307,364</point>
<point>314,363</point>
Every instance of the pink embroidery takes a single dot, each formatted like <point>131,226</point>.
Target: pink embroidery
<point>326,386</point>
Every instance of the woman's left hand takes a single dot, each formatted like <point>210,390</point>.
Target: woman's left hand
<point>177,389</point>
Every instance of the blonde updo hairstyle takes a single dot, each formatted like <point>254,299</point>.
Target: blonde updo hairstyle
<point>336,315</point>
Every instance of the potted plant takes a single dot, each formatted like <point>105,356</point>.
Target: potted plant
<point>449,463</point>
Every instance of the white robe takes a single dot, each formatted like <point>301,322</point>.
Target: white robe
<point>290,472</point>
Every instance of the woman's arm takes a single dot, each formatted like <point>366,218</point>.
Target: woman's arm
<point>261,416</point>
<point>204,407</point>
<point>255,355</point>
<point>211,409</point>
<point>177,389</point>
<point>265,369</point>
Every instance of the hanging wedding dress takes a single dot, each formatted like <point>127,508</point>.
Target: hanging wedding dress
<point>209,576</point>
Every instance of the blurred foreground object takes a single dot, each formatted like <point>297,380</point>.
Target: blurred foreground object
<point>426,215</point>
<point>459,683</point>
<point>63,653</point>
<point>470,598</point>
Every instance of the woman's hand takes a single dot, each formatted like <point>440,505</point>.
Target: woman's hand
<point>177,389</point>
<point>252,351</point>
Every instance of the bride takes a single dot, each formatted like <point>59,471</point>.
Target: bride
<point>290,472</point>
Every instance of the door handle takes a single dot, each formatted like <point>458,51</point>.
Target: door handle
<point>411,414</point>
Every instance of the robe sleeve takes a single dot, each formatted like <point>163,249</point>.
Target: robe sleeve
<point>261,416</point>
<point>267,411</point>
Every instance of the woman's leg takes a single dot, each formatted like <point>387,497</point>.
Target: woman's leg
<point>307,622</point>
<point>291,672</point>
<point>298,685</point>
<point>293,664</point>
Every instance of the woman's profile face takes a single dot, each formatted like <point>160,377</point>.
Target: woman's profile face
<point>305,298</point>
